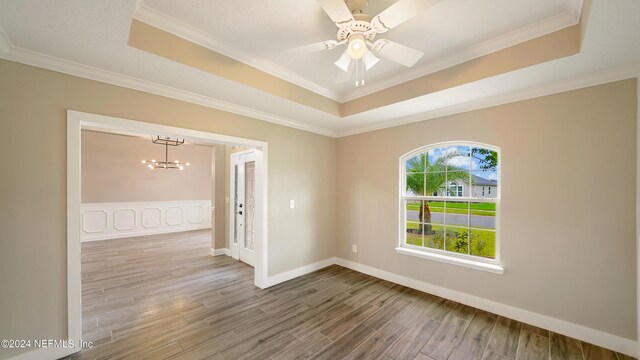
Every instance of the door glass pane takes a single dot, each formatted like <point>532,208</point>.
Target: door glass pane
<point>250,208</point>
<point>235,204</point>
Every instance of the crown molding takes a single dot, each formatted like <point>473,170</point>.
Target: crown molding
<point>17,54</point>
<point>178,28</point>
<point>568,17</point>
<point>579,82</point>
<point>5,43</point>
<point>10,52</point>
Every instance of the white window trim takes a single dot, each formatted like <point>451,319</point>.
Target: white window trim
<point>448,259</point>
<point>469,261</point>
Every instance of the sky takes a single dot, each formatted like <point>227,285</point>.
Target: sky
<point>458,156</point>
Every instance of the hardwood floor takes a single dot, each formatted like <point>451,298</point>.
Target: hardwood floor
<point>165,297</point>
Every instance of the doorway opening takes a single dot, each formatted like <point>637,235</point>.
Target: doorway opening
<point>255,240</point>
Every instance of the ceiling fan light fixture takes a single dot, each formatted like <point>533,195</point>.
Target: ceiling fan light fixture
<point>369,60</point>
<point>357,47</point>
<point>343,62</point>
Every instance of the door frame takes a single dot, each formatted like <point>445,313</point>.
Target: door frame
<point>76,121</point>
<point>234,158</point>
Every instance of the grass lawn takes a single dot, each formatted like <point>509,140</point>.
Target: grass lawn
<point>482,209</point>
<point>483,242</point>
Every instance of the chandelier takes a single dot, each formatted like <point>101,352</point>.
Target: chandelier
<point>166,164</point>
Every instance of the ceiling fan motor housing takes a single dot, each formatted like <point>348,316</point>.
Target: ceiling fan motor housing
<point>362,24</point>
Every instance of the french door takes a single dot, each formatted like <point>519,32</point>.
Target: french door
<point>243,170</point>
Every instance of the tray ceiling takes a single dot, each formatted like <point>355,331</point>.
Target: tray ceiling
<point>89,39</point>
<point>260,33</point>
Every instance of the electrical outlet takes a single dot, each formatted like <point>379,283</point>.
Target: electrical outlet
<point>354,248</point>
<point>292,204</point>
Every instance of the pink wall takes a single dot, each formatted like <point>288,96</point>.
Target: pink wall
<point>112,172</point>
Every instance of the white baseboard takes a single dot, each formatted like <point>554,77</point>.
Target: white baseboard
<point>605,340</point>
<point>218,252</point>
<point>45,354</point>
<point>294,273</point>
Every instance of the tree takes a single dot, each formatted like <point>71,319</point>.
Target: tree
<point>417,168</point>
<point>487,159</point>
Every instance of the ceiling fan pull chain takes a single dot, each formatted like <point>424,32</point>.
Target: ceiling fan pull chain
<point>357,71</point>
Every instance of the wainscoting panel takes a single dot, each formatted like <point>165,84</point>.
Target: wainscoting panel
<point>102,221</point>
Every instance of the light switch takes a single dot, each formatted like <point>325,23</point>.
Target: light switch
<point>226,200</point>
<point>292,204</point>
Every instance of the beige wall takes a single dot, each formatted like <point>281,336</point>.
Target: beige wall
<point>33,104</point>
<point>219,215</point>
<point>112,172</point>
<point>568,251</point>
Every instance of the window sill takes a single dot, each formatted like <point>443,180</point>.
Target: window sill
<point>478,265</point>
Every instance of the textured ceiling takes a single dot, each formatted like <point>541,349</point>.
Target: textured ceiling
<point>93,35</point>
<point>266,29</point>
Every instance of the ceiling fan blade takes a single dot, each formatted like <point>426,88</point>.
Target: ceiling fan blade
<point>337,10</point>
<point>395,52</point>
<point>344,76</point>
<point>311,48</point>
<point>343,62</point>
<point>369,60</point>
<point>400,12</point>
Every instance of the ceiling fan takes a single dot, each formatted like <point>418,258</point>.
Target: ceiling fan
<point>358,30</point>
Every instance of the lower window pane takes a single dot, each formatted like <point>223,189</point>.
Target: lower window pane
<point>457,213</point>
<point>483,243</point>
<point>483,216</point>
<point>433,236</point>
<point>457,239</point>
<point>414,233</point>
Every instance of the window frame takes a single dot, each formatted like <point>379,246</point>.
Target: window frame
<point>471,261</point>
<point>459,189</point>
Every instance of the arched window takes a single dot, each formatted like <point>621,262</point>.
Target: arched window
<point>446,213</point>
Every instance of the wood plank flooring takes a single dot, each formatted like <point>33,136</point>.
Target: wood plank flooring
<point>165,297</point>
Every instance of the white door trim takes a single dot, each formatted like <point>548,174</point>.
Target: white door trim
<point>239,159</point>
<point>233,159</point>
<point>76,121</point>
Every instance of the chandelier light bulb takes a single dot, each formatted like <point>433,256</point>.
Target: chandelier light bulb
<point>187,164</point>
<point>357,46</point>
<point>165,163</point>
